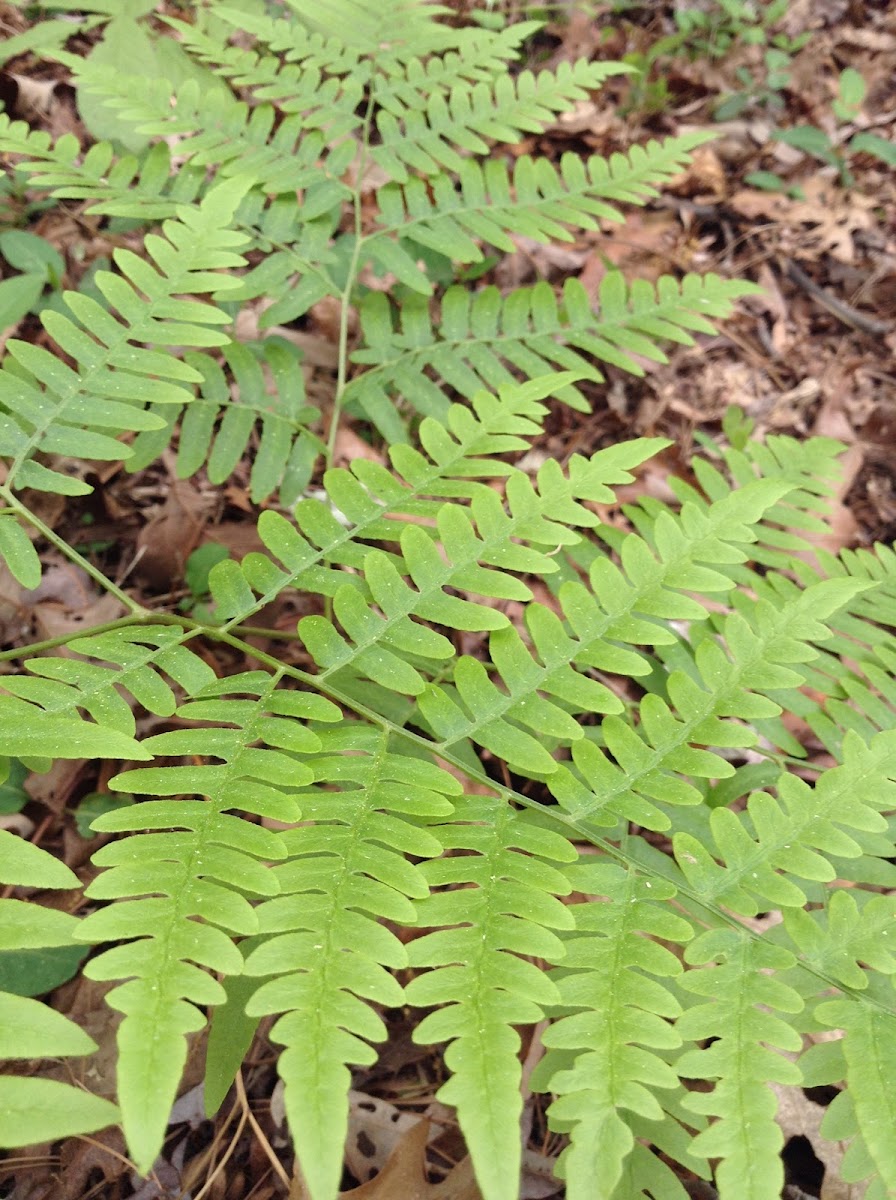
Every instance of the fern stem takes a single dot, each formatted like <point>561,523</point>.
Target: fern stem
<point>34,649</point>
<point>275,635</point>
<point>345,298</point>
<point>135,609</point>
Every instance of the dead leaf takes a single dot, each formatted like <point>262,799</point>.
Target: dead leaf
<point>54,788</point>
<point>166,541</point>
<point>66,601</point>
<point>14,616</point>
<point>375,1128</point>
<point>833,216</point>
<point>404,1175</point>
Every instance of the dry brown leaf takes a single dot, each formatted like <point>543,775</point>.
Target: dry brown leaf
<point>166,541</point>
<point>833,216</point>
<point>404,1175</point>
<point>349,446</point>
<point>54,788</point>
<point>15,617</point>
<point>375,1129</point>
<point>66,600</point>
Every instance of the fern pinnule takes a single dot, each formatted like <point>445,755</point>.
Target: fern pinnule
<point>846,941</point>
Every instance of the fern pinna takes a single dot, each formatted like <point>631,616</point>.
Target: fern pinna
<point>436,795</point>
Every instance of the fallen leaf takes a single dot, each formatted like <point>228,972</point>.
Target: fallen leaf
<point>404,1175</point>
<point>166,541</point>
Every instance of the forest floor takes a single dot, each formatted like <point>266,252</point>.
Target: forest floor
<point>813,223</point>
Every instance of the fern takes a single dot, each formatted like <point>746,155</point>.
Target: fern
<point>436,795</point>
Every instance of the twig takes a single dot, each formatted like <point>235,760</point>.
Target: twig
<point>839,308</point>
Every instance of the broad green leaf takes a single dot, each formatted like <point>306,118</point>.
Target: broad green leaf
<point>18,295</point>
<point>26,865</point>
<point>42,1110</point>
<point>17,550</point>
<point>31,1030</point>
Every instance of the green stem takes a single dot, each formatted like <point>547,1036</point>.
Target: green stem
<point>345,305</point>
<point>33,649</point>
<point>21,510</point>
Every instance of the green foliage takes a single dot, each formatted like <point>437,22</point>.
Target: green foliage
<point>499,692</point>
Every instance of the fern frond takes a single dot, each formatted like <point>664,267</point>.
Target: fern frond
<point>215,129</point>
<point>480,337</point>
<point>506,906</point>
<point>220,424</point>
<point>422,135</point>
<point>868,1041</point>
<point>795,834</point>
<point>372,503</point>
<point>534,199</point>
<point>49,408</point>
<point>398,28</point>
<point>615,610</point>
<point>854,929</point>
<point>321,938</point>
<point>142,187</point>
<point>120,663</point>
<point>608,973</point>
<point>742,1059</point>
<point>200,870</point>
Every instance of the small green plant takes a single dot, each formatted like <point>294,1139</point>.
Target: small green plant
<point>521,767</point>
<point>837,151</point>
<point>712,32</point>
<point>196,576</point>
<point>39,265</point>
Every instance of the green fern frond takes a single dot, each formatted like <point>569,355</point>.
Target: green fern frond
<point>370,504</point>
<point>868,1052</point>
<point>49,408</point>
<point>505,907</point>
<point>609,973</point>
<point>143,187</point>
<point>200,869</point>
<point>794,834</point>
<point>117,667</point>
<point>740,1015</point>
<point>422,136</point>
<point>215,129</point>
<point>398,28</point>
<point>615,610</point>
<point>534,199</point>
<point>837,941</point>
<point>321,939</point>
<point>220,424</point>
<point>480,337</point>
